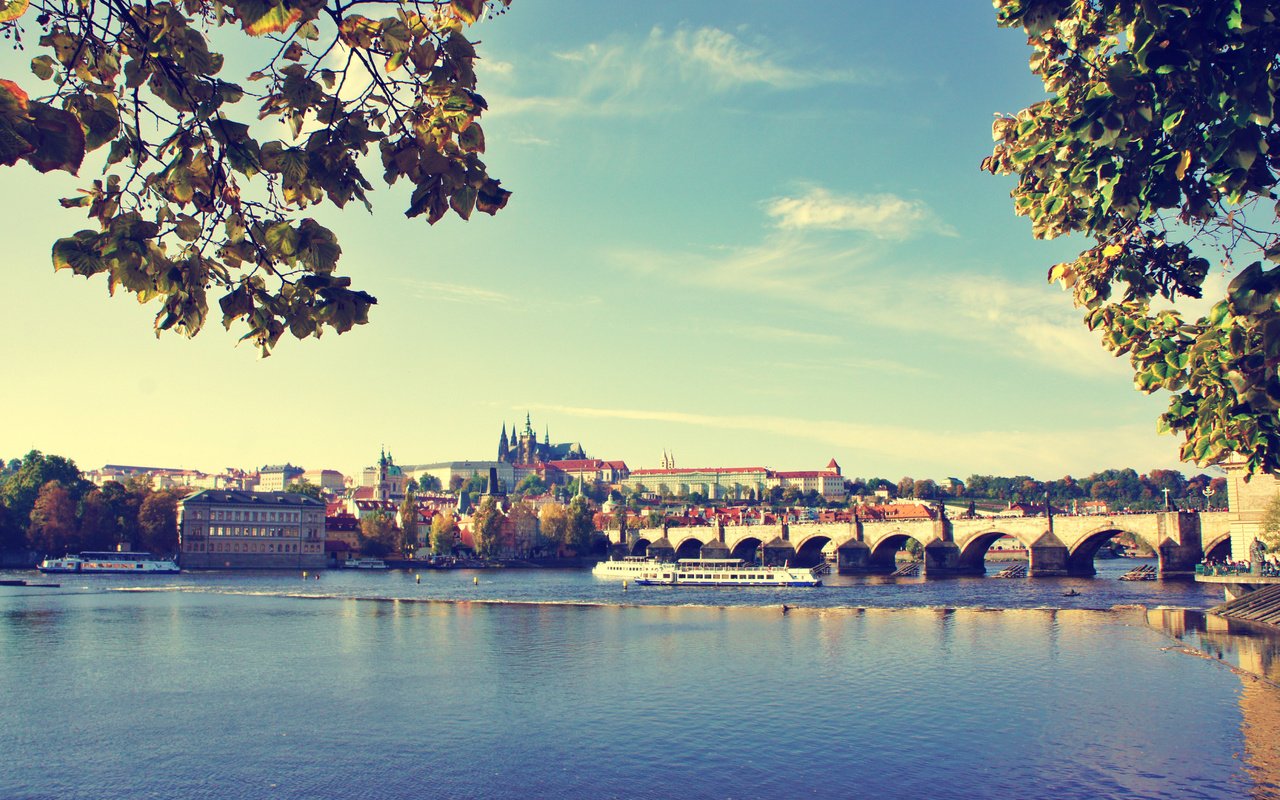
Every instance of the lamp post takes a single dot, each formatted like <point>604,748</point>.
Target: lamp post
<point>1207,492</point>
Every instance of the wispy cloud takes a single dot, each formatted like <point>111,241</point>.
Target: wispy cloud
<point>768,333</point>
<point>866,284</point>
<point>1036,453</point>
<point>632,76</point>
<point>885,216</point>
<point>457,293</point>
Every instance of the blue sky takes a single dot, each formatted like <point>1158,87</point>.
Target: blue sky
<point>745,236</point>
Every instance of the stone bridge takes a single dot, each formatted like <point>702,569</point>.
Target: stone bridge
<point>1061,545</point>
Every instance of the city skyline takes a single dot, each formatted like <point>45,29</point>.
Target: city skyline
<point>736,235</point>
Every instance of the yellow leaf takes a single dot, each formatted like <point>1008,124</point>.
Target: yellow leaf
<point>12,9</point>
<point>1112,250</point>
<point>1063,272</point>
<point>1183,163</point>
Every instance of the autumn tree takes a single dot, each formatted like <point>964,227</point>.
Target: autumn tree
<point>553,521</point>
<point>24,479</point>
<point>409,523</point>
<point>199,191</point>
<point>1270,532</point>
<point>1160,142</point>
<point>378,534</point>
<point>581,525</point>
<point>158,522</point>
<point>486,527</point>
<point>444,534</point>
<point>53,529</point>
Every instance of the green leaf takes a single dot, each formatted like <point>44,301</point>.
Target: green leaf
<point>79,253</point>
<point>42,67</point>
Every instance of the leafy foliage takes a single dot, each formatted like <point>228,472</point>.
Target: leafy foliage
<point>486,527</point>
<point>444,534</point>
<point>378,534</point>
<point>1160,140</point>
<point>196,196</point>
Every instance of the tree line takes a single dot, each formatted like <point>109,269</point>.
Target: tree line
<point>47,506</point>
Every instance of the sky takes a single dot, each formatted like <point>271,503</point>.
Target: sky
<point>742,233</point>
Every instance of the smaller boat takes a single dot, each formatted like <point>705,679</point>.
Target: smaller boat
<point>628,568</point>
<point>726,572</point>
<point>366,563</point>
<point>108,563</point>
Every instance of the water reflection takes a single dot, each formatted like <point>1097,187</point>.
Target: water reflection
<point>1253,653</point>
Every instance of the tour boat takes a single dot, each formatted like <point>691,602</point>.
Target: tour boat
<point>628,568</point>
<point>726,572</point>
<point>366,563</point>
<point>110,563</point>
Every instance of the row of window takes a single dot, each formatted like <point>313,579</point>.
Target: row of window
<point>244,515</point>
<point>252,531</point>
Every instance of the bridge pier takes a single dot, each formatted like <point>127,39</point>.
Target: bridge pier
<point>1048,557</point>
<point>942,560</point>
<point>853,558</point>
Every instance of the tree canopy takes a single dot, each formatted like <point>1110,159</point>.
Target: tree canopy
<point>1160,141</point>
<point>206,177</point>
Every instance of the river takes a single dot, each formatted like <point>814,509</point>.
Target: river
<point>540,683</point>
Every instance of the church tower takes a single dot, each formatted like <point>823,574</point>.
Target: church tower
<point>503,445</point>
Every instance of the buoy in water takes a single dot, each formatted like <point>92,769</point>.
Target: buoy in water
<point>624,586</point>
<point>476,580</point>
<point>304,574</point>
<point>417,579</point>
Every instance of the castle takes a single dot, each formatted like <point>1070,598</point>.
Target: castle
<point>525,450</point>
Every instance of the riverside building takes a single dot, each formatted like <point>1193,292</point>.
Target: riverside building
<point>221,529</point>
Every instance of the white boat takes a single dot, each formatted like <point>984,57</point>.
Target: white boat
<point>628,568</point>
<point>366,563</point>
<point>726,572</point>
<point>90,562</point>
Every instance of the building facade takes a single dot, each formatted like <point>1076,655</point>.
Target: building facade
<point>223,529</point>
<point>276,477</point>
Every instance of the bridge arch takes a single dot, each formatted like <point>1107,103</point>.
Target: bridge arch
<point>1219,547</point>
<point>747,548</point>
<point>640,547</point>
<point>688,547</point>
<point>884,553</point>
<point>1081,553</point>
<point>973,551</point>
<point>809,553</point>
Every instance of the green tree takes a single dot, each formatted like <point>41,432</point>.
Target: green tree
<point>444,534</point>
<point>581,525</point>
<point>378,534</point>
<point>196,196</point>
<point>531,485</point>
<point>1159,141</point>
<point>307,488</point>
<point>486,527</point>
<point>26,478</point>
<point>428,483</point>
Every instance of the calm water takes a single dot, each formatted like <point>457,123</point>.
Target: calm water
<point>265,686</point>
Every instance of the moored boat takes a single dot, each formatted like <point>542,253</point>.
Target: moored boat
<point>108,563</point>
<point>366,563</point>
<point>726,572</point>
